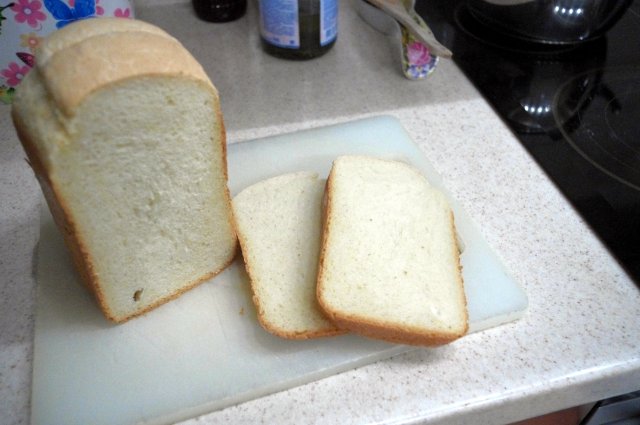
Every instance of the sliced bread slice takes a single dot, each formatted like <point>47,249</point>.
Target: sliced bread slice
<point>279,224</point>
<point>389,266</point>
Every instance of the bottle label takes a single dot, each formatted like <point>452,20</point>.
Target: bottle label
<point>328,21</point>
<point>279,23</point>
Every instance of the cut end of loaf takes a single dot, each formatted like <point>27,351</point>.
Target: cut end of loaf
<point>149,197</point>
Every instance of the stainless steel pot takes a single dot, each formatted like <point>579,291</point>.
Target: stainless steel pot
<point>550,21</point>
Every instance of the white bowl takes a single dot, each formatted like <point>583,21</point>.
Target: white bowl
<point>24,23</point>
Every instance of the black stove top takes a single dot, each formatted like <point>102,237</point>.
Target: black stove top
<point>575,108</point>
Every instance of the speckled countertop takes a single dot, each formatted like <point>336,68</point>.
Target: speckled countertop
<point>579,341</point>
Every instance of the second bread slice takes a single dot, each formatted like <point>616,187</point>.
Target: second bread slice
<point>279,227</point>
<point>389,266</point>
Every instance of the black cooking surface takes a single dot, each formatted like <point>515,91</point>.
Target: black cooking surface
<point>601,124</point>
<point>575,108</point>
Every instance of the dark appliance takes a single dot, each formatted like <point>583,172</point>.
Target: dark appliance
<point>575,106</point>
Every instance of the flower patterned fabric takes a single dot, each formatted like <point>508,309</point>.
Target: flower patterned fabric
<point>28,11</point>
<point>24,23</point>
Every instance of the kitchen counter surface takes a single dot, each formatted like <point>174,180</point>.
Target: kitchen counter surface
<point>579,341</point>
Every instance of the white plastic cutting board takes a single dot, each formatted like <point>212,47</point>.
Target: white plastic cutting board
<point>205,350</point>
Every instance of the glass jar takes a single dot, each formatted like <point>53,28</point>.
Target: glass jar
<point>298,29</point>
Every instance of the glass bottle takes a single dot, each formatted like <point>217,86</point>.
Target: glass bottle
<point>298,29</point>
<point>219,10</point>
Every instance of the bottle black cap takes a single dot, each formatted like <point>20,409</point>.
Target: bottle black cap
<point>220,10</point>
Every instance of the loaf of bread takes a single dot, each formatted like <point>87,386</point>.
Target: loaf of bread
<point>279,222</point>
<point>124,131</point>
<point>389,265</point>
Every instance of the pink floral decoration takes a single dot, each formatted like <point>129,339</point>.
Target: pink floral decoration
<point>14,73</point>
<point>418,54</point>
<point>122,13</point>
<point>30,40</point>
<point>28,11</point>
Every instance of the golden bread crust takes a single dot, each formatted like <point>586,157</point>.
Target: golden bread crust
<point>74,72</point>
<point>324,242</point>
<point>86,28</point>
